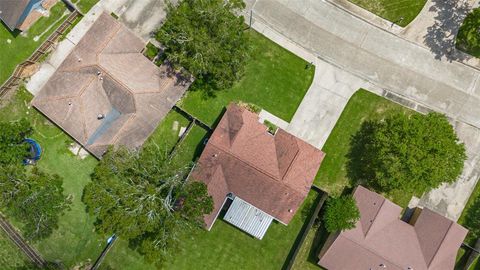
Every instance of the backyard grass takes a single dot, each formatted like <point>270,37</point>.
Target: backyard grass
<point>75,240</point>
<point>307,257</point>
<point>10,256</point>
<point>362,106</point>
<point>22,45</point>
<point>468,37</point>
<point>274,79</point>
<point>226,247</point>
<point>473,203</point>
<point>85,5</point>
<point>393,11</point>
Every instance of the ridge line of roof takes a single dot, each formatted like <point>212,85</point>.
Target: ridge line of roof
<point>369,250</point>
<point>261,171</point>
<point>376,215</point>
<point>108,38</point>
<point>116,137</point>
<point>441,242</point>
<point>83,121</point>
<point>293,160</point>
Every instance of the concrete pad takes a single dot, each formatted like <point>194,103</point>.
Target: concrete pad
<point>62,50</point>
<point>264,115</point>
<point>40,78</point>
<point>182,130</point>
<point>450,199</point>
<point>143,17</point>
<point>323,104</point>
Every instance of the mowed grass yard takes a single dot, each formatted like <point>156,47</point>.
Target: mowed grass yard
<point>473,203</point>
<point>332,176</point>
<point>75,241</point>
<point>275,79</point>
<point>393,10</point>
<point>226,247</point>
<point>16,46</point>
<point>362,106</point>
<point>11,257</point>
<point>22,45</point>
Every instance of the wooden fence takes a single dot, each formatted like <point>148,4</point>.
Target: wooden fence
<point>14,80</point>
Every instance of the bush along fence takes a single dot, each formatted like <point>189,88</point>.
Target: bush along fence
<point>19,72</point>
<point>322,197</point>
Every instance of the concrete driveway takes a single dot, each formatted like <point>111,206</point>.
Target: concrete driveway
<point>142,16</point>
<point>351,53</point>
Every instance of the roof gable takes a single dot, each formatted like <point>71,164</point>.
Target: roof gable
<point>430,244</point>
<point>259,168</point>
<point>106,92</point>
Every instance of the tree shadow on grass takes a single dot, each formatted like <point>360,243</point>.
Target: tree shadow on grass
<point>472,221</point>
<point>358,163</point>
<point>441,36</point>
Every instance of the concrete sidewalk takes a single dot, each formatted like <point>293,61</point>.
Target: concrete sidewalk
<point>351,53</point>
<point>376,56</point>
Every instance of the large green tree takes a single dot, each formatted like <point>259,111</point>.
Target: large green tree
<point>407,152</point>
<point>143,197</point>
<point>35,198</point>
<point>341,213</point>
<point>207,39</point>
<point>12,148</point>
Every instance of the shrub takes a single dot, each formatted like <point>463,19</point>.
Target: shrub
<point>341,213</point>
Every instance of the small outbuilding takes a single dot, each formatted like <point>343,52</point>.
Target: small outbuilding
<point>259,176</point>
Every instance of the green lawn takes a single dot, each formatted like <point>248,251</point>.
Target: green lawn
<point>393,10</point>
<point>468,37</point>
<point>473,203</point>
<point>226,247</point>
<point>275,80</point>
<point>307,257</point>
<point>75,241</point>
<point>21,46</point>
<point>85,5</point>
<point>10,256</point>
<point>363,105</point>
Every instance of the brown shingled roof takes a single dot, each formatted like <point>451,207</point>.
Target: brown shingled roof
<point>380,237</point>
<point>11,11</point>
<point>107,75</point>
<point>274,173</point>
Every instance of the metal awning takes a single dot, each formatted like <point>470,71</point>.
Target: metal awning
<point>248,218</point>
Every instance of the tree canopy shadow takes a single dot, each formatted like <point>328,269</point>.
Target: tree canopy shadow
<point>441,36</point>
<point>358,165</point>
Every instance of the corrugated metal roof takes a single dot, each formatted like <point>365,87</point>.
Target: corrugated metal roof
<point>248,218</point>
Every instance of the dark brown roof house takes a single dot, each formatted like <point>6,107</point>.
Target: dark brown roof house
<point>106,92</point>
<point>381,240</point>
<point>21,14</point>
<point>259,176</point>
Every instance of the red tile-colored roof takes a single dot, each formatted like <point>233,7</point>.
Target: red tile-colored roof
<point>380,237</point>
<point>274,173</point>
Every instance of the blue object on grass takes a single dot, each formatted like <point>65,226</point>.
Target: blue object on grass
<point>35,152</point>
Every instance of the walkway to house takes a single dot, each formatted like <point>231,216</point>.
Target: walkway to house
<point>350,53</point>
